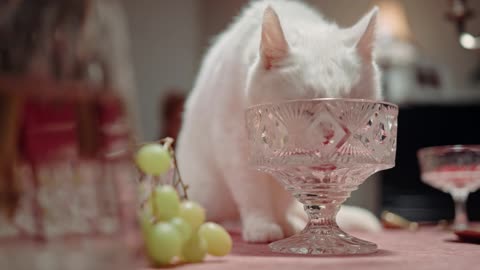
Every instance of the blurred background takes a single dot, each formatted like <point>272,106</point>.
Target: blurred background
<point>151,50</point>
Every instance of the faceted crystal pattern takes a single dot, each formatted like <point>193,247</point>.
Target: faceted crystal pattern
<point>323,132</point>
<point>321,150</point>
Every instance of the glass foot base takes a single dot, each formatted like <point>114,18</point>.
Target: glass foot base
<point>331,241</point>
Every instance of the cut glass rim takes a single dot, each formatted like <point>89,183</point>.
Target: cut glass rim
<point>442,149</point>
<point>318,100</point>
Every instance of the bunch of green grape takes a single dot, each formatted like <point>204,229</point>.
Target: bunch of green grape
<point>174,230</point>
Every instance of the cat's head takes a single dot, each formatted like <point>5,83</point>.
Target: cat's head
<point>314,62</point>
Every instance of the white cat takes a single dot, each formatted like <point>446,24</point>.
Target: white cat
<point>265,57</point>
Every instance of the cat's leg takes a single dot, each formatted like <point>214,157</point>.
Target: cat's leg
<point>205,184</point>
<point>251,189</point>
<point>252,194</point>
<point>208,189</point>
<point>287,210</point>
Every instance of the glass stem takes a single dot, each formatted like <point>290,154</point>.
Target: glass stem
<point>321,216</point>
<point>461,219</point>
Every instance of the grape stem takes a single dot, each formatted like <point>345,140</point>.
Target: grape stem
<point>167,142</point>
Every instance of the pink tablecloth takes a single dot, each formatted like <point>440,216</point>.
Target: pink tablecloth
<point>425,249</point>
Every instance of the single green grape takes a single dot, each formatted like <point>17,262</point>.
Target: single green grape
<point>166,202</point>
<point>163,242</point>
<point>219,242</point>
<point>153,159</point>
<point>195,249</point>
<point>192,213</point>
<point>183,228</point>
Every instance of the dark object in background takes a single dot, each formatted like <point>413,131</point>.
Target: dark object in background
<point>171,111</point>
<point>421,126</point>
<point>459,14</point>
<point>469,236</point>
<point>43,36</point>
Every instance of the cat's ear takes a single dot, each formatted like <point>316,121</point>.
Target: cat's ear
<point>273,45</point>
<point>362,34</point>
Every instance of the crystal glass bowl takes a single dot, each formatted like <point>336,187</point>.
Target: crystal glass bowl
<point>321,150</point>
<point>454,169</point>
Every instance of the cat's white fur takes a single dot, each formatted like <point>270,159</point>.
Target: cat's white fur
<point>265,57</point>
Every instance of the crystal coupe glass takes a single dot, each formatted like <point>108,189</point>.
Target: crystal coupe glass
<point>454,169</point>
<point>321,150</point>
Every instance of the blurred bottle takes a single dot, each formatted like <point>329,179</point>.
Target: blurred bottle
<point>65,87</point>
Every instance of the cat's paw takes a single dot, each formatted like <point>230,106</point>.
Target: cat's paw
<point>259,230</point>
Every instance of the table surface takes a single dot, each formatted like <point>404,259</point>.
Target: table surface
<point>427,248</point>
